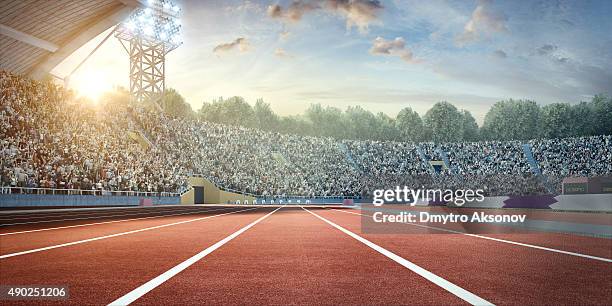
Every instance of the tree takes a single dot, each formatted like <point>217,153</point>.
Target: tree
<point>266,118</point>
<point>362,122</point>
<point>326,121</point>
<point>443,123</point>
<point>582,116</point>
<point>232,111</point>
<point>295,125</point>
<point>512,120</point>
<point>386,129</point>
<point>409,125</point>
<point>469,127</point>
<point>174,104</point>
<point>601,106</point>
<point>557,120</point>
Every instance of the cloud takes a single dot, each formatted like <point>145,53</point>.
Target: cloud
<point>280,52</point>
<point>484,22</point>
<point>241,43</point>
<point>500,54</point>
<point>546,49</point>
<point>294,11</point>
<point>358,13</point>
<point>284,35</point>
<point>396,47</point>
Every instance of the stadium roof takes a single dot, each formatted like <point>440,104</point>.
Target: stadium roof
<point>36,35</point>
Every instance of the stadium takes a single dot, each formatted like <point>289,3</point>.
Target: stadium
<point>115,191</point>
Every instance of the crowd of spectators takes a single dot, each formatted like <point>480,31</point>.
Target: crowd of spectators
<point>52,140</point>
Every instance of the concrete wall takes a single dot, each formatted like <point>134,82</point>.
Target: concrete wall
<point>574,202</point>
<point>35,200</point>
<point>584,202</point>
<point>212,193</point>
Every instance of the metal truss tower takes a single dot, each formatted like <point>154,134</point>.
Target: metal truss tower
<point>147,68</point>
<point>147,36</point>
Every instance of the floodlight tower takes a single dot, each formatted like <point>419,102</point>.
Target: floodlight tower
<point>150,33</point>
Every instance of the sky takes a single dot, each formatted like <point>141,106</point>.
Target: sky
<point>381,55</point>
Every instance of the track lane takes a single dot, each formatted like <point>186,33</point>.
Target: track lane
<point>600,247</point>
<point>47,213</point>
<point>294,258</point>
<point>97,272</point>
<point>34,240</point>
<point>11,225</point>
<point>498,272</point>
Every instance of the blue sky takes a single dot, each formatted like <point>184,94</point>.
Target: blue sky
<point>382,55</point>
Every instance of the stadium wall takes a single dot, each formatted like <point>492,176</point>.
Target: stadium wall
<point>212,193</point>
<point>576,202</point>
<point>49,200</point>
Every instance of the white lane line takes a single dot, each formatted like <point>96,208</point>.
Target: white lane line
<point>116,235</point>
<point>499,240</point>
<point>444,284</point>
<point>75,219</point>
<point>152,284</point>
<point>115,221</point>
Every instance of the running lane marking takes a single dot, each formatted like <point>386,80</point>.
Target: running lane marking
<point>116,221</point>
<point>152,284</point>
<point>84,218</point>
<point>87,213</point>
<point>444,284</point>
<point>499,240</point>
<point>116,235</point>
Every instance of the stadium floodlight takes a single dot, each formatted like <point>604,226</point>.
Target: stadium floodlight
<point>148,35</point>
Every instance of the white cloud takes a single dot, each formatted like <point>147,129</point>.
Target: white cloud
<point>241,43</point>
<point>485,21</point>
<point>358,13</point>
<point>396,47</point>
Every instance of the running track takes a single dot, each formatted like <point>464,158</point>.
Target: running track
<point>291,255</point>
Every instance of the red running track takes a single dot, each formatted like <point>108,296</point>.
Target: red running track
<point>293,257</point>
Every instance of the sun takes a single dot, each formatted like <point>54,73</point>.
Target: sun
<point>90,84</point>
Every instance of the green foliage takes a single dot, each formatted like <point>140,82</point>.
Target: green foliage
<point>443,123</point>
<point>174,104</point>
<point>506,120</point>
<point>512,120</point>
<point>469,127</point>
<point>557,120</point>
<point>601,107</point>
<point>409,125</point>
<point>232,111</point>
<point>582,114</point>
<point>265,117</point>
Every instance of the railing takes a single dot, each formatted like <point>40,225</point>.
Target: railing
<point>55,191</point>
<point>274,196</point>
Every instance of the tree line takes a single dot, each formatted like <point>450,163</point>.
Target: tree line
<point>443,122</point>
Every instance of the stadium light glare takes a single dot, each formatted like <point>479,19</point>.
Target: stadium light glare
<point>151,32</point>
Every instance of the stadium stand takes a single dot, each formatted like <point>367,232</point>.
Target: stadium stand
<point>51,140</point>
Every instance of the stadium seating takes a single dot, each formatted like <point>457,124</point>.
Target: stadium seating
<point>50,139</point>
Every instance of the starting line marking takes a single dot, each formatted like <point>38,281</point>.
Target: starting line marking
<point>444,284</point>
<point>152,284</point>
<point>116,235</point>
<point>499,240</point>
<point>107,222</point>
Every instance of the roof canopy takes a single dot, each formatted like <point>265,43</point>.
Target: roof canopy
<point>36,35</point>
